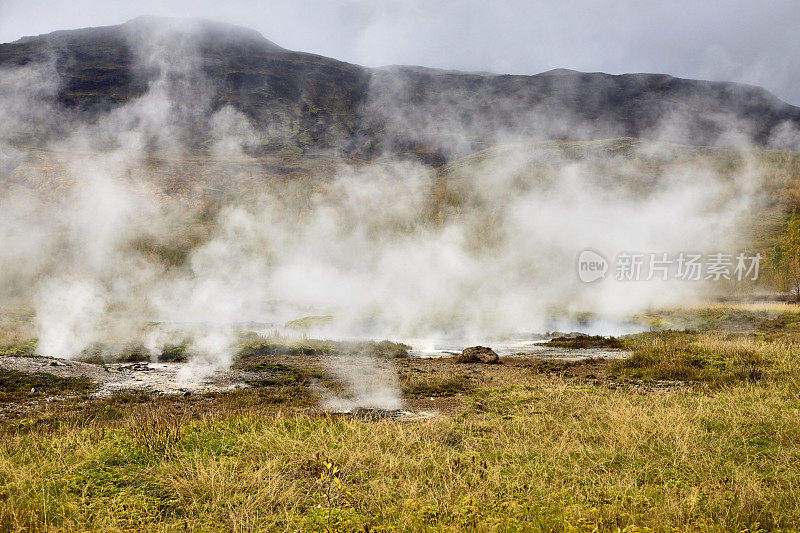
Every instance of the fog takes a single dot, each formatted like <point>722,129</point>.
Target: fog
<point>366,245</point>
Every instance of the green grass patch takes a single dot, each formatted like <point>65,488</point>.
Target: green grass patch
<point>550,457</point>
<point>436,386</point>
<point>296,395</point>
<point>286,384</point>
<point>276,348</point>
<point>384,349</point>
<point>173,354</point>
<point>692,362</point>
<point>713,318</point>
<point>388,349</point>
<point>309,322</point>
<point>15,385</point>
<point>27,349</point>
<point>584,342</point>
<point>281,375</point>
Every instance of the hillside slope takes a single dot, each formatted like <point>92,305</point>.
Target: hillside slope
<point>298,101</point>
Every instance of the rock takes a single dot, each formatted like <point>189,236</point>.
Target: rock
<point>137,367</point>
<point>477,354</point>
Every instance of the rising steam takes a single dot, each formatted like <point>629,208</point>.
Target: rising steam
<point>389,249</point>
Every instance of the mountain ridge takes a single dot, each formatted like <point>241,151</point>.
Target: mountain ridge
<point>308,102</point>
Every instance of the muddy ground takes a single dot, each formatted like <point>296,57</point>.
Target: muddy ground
<point>431,386</point>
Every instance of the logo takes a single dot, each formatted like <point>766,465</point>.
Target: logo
<point>591,266</point>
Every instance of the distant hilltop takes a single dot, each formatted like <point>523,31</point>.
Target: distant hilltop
<point>309,102</point>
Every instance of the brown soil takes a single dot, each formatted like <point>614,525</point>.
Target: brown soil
<point>432,386</point>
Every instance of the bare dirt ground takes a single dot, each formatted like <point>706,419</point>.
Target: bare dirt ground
<point>430,386</point>
<point>164,378</point>
<point>180,378</point>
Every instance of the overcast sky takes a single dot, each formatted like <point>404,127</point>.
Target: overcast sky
<point>738,40</point>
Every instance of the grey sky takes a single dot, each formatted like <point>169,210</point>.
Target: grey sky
<point>737,40</point>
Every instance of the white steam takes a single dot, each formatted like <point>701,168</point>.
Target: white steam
<point>368,245</point>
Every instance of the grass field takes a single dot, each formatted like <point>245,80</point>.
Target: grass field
<point>548,455</point>
<point>520,446</point>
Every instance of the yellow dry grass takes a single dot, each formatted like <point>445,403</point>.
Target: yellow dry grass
<point>547,455</point>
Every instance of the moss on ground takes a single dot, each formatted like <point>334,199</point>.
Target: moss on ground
<point>584,341</point>
<point>15,385</point>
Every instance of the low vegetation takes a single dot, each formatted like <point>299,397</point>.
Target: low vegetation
<point>546,456</point>
<point>309,322</point>
<point>715,358</point>
<point>436,386</point>
<point>173,354</point>
<point>693,363</point>
<point>584,341</point>
<point>22,349</point>
<point>281,375</point>
<point>245,351</point>
<point>521,446</point>
<point>15,386</point>
<point>259,346</point>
